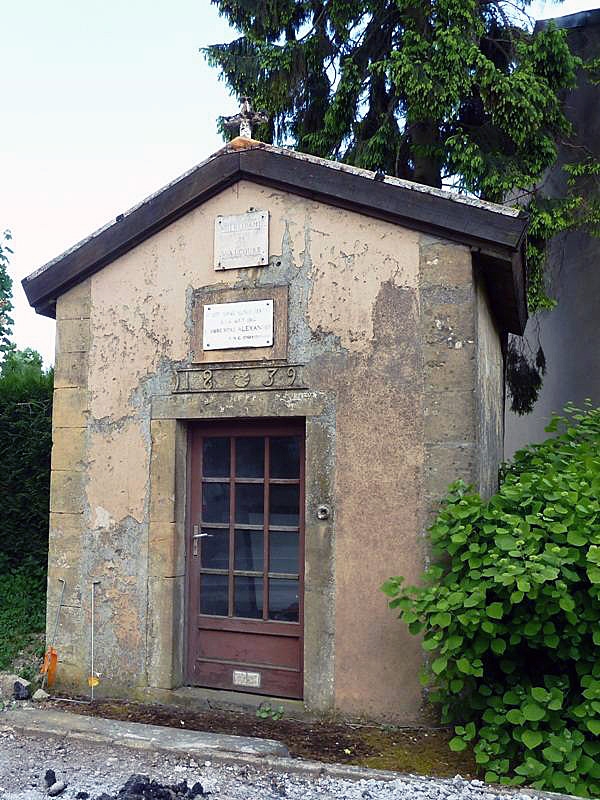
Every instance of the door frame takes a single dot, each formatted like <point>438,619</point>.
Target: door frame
<point>170,416</point>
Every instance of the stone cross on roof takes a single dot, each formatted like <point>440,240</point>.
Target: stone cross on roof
<point>246,118</point>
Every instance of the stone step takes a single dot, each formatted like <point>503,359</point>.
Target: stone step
<point>136,734</point>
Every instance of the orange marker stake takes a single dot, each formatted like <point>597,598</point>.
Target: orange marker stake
<point>48,668</point>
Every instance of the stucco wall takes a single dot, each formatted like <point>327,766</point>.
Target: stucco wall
<point>385,322</point>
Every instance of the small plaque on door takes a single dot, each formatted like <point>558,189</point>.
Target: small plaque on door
<point>250,679</point>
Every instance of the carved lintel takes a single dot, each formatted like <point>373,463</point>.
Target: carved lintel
<point>239,379</point>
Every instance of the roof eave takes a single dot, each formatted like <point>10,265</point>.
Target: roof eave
<point>496,235</point>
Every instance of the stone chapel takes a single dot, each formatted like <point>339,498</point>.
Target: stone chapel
<point>267,373</point>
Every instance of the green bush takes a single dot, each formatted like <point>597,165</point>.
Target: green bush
<point>510,614</point>
<point>22,610</point>
<point>25,444</point>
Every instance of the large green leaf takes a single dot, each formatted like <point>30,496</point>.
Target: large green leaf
<point>442,620</point>
<point>567,603</point>
<point>576,538</point>
<point>533,712</point>
<point>515,716</point>
<point>495,610</point>
<point>532,628</point>
<point>439,665</point>
<point>457,744</point>
<point>531,768</point>
<point>532,739</point>
<point>593,725</point>
<point>540,694</point>
<point>594,574</point>
<point>498,646</point>
<point>553,754</point>
<point>506,541</point>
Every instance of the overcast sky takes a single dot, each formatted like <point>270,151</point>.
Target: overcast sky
<point>103,102</point>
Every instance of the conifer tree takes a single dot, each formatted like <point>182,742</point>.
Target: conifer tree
<point>426,90</point>
<point>455,93</point>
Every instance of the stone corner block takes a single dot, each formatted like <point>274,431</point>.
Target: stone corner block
<point>446,463</point>
<point>72,336</point>
<point>75,303</point>
<point>71,370</point>
<point>66,492</point>
<point>450,416</point>
<point>68,449</point>
<point>444,263</point>
<point>70,408</point>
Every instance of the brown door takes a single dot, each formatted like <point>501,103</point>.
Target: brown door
<point>246,565</point>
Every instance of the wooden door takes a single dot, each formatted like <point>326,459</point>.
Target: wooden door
<point>245,568</point>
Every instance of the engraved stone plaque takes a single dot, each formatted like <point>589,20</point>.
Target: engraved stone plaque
<point>236,325</point>
<point>242,240</point>
<point>210,297</point>
<point>242,678</point>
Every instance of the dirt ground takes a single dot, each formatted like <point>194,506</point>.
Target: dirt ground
<point>418,751</point>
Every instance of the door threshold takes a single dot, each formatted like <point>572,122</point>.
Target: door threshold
<point>201,699</point>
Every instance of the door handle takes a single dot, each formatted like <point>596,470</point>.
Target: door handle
<point>195,538</point>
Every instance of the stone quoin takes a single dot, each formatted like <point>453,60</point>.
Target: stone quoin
<point>238,507</point>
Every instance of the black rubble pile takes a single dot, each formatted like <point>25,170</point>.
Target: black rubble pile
<point>53,786</point>
<point>140,787</point>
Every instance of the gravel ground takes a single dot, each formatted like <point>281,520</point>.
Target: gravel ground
<point>97,768</point>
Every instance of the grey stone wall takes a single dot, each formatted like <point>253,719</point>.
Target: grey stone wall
<point>569,333</point>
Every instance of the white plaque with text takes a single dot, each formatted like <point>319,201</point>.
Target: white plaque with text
<point>234,325</point>
<point>242,678</point>
<point>242,240</point>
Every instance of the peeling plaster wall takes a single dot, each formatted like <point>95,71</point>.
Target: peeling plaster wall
<point>385,322</point>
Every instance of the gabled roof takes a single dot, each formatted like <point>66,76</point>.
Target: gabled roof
<point>495,233</point>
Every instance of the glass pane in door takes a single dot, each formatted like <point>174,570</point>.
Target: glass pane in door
<point>215,457</point>
<point>283,552</point>
<point>285,504</point>
<point>249,551</point>
<point>250,457</point>
<point>213,595</point>
<point>215,502</point>
<point>249,503</point>
<point>214,548</point>
<point>238,474</point>
<point>284,600</point>
<point>285,457</point>
<point>248,597</point>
